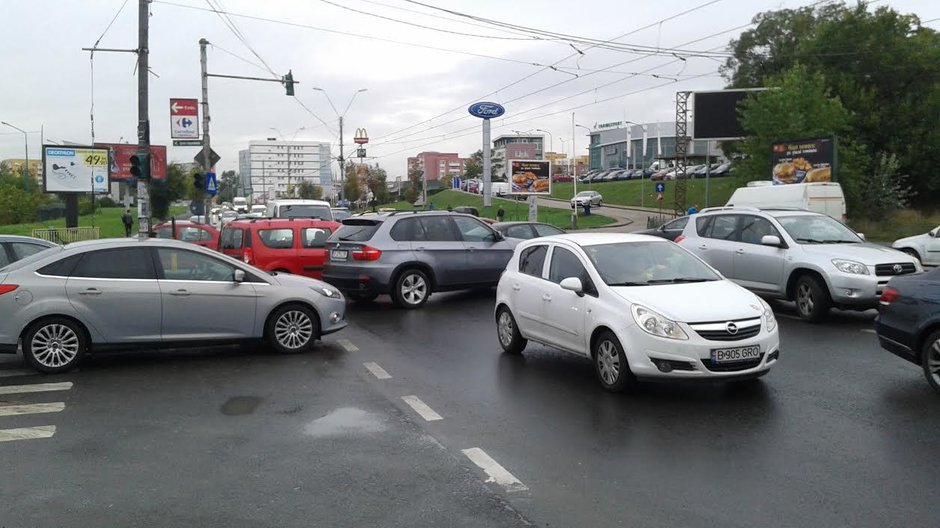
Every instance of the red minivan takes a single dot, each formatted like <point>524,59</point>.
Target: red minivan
<point>291,245</point>
<point>200,234</point>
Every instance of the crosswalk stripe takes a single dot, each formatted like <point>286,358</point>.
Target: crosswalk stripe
<point>36,387</point>
<point>422,408</point>
<point>27,433</point>
<point>33,408</point>
<point>16,372</point>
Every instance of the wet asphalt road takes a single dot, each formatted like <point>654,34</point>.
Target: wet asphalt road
<point>840,433</point>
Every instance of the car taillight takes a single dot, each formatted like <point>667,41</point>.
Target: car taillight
<point>679,238</point>
<point>247,256</point>
<point>366,253</point>
<point>889,295</point>
<point>7,288</point>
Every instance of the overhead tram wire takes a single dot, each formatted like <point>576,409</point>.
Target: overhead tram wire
<point>91,65</point>
<point>556,63</point>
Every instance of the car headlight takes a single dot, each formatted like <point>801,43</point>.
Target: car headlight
<point>326,292</point>
<point>769,320</point>
<point>655,324</point>
<point>850,266</point>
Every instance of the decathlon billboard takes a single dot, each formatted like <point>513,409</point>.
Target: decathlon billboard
<point>74,169</point>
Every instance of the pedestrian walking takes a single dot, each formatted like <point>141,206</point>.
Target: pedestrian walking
<point>128,221</point>
<point>500,214</point>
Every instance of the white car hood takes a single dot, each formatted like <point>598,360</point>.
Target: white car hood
<point>697,302</point>
<point>865,253</point>
<point>915,241</point>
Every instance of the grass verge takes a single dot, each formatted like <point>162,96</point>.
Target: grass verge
<point>643,193</point>
<point>107,219</point>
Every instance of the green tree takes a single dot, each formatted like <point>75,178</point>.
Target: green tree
<point>308,191</point>
<point>352,190</point>
<point>413,188</point>
<point>228,186</point>
<point>473,166</point>
<point>375,180</point>
<point>884,190</point>
<point>178,186</point>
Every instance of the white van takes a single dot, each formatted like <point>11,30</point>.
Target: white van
<point>823,197</point>
<point>299,209</point>
<point>240,204</point>
<point>500,188</point>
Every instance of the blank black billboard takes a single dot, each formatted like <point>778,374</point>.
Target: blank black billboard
<point>715,114</point>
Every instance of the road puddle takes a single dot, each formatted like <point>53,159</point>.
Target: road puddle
<point>345,421</point>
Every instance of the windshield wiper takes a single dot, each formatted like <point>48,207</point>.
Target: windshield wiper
<point>628,284</point>
<point>841,242</point>
<point>810,240</point>
<point>679,280</point>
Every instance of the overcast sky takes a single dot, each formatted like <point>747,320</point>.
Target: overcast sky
<point>47,78</point>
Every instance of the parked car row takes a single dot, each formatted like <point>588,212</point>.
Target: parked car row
<point>714,170</point>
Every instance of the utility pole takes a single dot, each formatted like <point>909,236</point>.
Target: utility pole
<point>574,181</point>
<point>342,161</point>
<point>143,114</point>
<point>206,146</point>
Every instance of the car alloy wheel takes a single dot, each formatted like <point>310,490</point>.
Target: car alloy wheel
<point>293,328</point>
<point>812,299</point>
<point>412,289</point>
<point>931,360</point>
<point>54,345</point>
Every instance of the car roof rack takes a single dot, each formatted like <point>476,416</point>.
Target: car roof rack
<point>782,208</point>
<point>729,208</point>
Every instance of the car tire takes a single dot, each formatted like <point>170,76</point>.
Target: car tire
<point>412,289</point>
<point>610,363</point>
<point>913,253</point>
<point>508,332</point>
<point>292,329</point>
<point>812,299</point>
<point>930,360</point>
<point>54,345</point>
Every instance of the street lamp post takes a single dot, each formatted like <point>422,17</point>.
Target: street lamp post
<point>575,160</point>
<point>342,155</point>
<point>26,153</point>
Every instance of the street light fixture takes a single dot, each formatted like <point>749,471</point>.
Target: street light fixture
<point>26,153</point>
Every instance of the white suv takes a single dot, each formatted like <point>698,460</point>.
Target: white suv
<point>638,306</point>
<point>796,255</point>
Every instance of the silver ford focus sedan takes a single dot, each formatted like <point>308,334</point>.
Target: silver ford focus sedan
<point>130,293</point>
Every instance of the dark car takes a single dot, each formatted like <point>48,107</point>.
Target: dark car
<point>466,209</point>
<point>526,230</point>
<point>670,230</point>
<point>410,255</point>
<point>13,248</point>
<point>909,321</point>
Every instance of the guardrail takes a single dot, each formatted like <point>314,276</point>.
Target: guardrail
<point>66,235</point>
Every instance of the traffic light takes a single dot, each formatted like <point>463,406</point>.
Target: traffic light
<point>289,82</point>
<point>199,180</point>
<point>140,166</point>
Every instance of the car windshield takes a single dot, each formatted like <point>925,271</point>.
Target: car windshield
<point>585,193</point>
<point>306,211</point>
<point>647,263</point>
<point>817,229</point>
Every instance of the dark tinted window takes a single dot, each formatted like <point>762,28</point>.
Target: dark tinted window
<point>438,229</point>
<point>547,230</point>
<point>753,228</point>
<point>314,237</point>
<point>519,231</point>
<point>22,250</point>
<point>407,229</point>
<point>4,259</point>
<point>60,268</point>
<point>532,260</point>
<point>356,231</point>
<point>277,238</point>
<point>722,227</point>
<point>566,264</point>
<point>677,224</point>
<point>120,263</point>
<point>232,238</point>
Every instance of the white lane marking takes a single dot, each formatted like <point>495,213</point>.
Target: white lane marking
<point>496,472</point>
<point>16,372</point>
<point>868,330</point>
<point>38,387</point>
<point>27,433</point>
<point>788,316</point>
<point>422,408</point>
<point>347,344</point>
<point>376,370</point>
<point>34,408</point>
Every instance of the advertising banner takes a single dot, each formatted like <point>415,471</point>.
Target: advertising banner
<point>74,169</point>
<point>120,166</point>
<point>802,161</point>
<point>184,118</point>
<point>531,176</point>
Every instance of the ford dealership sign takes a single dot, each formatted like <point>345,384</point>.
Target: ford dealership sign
<point>485,110</point>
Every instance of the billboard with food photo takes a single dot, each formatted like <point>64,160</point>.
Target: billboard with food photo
<point>531,176</point>
<point>802,161</point>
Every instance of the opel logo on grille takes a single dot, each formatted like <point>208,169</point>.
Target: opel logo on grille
<point>898,268</point>
<point>731,328</point>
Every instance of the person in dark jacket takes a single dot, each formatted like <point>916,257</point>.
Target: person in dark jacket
<point>128,221</point>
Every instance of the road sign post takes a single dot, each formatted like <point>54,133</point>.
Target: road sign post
<point>212,186</point>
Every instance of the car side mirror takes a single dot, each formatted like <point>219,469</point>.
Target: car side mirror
<point>770,240</point>
<point>239,275</point>
<point>861,235</point>
<point>935,232</point>
<point>573,284</point>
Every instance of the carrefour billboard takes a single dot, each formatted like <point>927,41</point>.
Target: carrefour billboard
<point>74,169</point>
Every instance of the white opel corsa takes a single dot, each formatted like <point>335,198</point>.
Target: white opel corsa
<point>640,307</point>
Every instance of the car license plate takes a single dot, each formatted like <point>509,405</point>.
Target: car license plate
<point>339,254</point>
<point>730,355</point>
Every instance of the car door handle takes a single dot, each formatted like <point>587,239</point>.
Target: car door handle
<point>516,287</point>
<point>740,251</point>
<point>546,297</point>
<point>419,248</point>
<point>90,291</point>
<point>703,246</point>
<point>180,293</point>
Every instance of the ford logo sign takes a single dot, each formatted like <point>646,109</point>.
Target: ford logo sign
<point>485,110</point>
